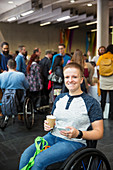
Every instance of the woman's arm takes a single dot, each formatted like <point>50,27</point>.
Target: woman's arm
<point>95,134</point>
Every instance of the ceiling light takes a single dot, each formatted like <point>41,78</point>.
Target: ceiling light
<point>72,1</point>
<point>94,30</point>
<point>10,2</point>
<point>11,19</point>
<point>89,4</point>
<point>63,18</point>
<point>27,13</point>
<point>90,23</point>
<point>46,23</point>
<point>76,26</point>
<point>111,27</point>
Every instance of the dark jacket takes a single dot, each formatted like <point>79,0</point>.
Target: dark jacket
<point>58,72</point>
<point>3,62</point>
<point>45,65</point>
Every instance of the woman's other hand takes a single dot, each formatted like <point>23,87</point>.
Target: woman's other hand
<point>70,133</point>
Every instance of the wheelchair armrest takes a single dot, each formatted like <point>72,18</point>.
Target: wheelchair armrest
<point>91,143</point>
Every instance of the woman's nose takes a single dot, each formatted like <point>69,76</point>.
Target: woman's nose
<point>70,78</point>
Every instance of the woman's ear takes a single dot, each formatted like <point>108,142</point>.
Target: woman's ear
<point>81,80</point>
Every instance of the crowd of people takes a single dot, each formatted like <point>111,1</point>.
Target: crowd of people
<point>37,70</point>
<point>73,107</point>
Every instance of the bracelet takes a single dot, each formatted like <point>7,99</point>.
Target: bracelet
<point>80,134</point>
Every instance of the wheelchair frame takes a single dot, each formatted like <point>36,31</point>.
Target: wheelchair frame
<point>85,158</point>
<point>88,159</point>
<point>29,111</point>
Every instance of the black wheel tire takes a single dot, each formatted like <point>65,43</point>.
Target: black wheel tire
<point>28,110</point>
<point>78,160</point>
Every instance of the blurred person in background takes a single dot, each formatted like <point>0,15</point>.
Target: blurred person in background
<point>101,51</point>
<point>4,56</point>
<point>45,65</point>
<point>58,69</point>
<point>20,61</point>
<point>34,77</point>
<point>106,81</point>
<point>37,51</point>
<point>62,51</point>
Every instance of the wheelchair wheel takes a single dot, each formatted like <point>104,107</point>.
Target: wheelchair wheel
<point>88,159</point>
<point>28,113</point>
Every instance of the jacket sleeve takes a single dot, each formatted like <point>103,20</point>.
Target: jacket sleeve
<point>25,82</point>
<point>18,63</point>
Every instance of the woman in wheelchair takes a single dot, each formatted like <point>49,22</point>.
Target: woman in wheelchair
<point>74,112</point>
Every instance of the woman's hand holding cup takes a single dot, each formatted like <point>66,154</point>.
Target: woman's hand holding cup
<point>46,126</point>
<point>49,122</point>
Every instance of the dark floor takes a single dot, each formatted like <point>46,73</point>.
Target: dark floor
<point>16,138</point>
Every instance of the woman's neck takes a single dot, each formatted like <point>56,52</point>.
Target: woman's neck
<point>75,93</point>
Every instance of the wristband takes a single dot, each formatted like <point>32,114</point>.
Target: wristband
<point>80,134</point>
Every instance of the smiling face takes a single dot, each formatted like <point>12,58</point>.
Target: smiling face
<point>101,51</point>
<point>5,49</point>
<point>73,80</point>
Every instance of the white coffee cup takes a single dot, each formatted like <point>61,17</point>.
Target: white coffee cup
<point>51,120</point>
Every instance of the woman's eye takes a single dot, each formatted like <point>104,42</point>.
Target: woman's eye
<point>66,77</point>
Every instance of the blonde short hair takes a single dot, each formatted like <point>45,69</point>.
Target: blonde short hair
<point>74,65</point>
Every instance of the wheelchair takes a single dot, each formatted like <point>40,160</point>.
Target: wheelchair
<point>86,158</point>
<point>33,105</point>
<point>27,107</point>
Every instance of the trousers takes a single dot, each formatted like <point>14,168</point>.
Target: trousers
<point>103,100</point>
<point>60,150</point>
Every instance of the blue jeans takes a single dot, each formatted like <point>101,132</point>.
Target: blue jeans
<point>60,150</point>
